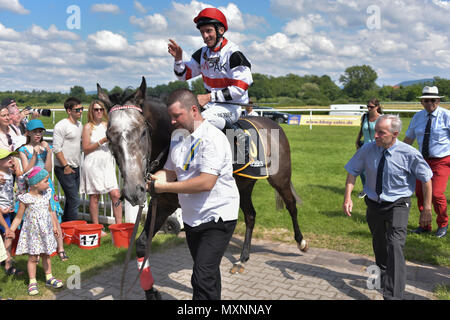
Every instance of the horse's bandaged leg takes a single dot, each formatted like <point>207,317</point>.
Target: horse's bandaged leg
<point>146,276</point>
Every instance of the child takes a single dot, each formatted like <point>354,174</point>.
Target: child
<point>39,230</point>
<point>7,169</point>
<point>37,152</point>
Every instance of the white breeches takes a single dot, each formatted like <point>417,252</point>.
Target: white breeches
<point>216,114</point>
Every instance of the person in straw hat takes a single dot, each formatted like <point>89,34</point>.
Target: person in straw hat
<point>431,128</point>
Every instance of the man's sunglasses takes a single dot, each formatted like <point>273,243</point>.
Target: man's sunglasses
<point>78,109</point>
<point>429,100</point>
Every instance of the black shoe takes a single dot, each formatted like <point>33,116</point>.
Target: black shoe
<point>420,230</point>
<point>153,294</point>
<point>441,232</point>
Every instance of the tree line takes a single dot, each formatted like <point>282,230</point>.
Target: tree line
<point>358,84</point>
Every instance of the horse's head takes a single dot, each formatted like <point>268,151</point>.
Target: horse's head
<point>128,134</point>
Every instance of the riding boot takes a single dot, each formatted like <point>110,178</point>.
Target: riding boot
<point>241,145</point>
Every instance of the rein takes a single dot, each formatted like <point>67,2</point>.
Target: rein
<point>151,165</point>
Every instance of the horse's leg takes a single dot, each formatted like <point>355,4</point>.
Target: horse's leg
<point>245,190</point>
<point>166,206</point>
<point>287,194</point>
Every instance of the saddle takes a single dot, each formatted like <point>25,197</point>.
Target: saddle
<point>253,164</point>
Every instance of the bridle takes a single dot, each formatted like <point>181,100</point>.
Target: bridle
<point>150,167</point>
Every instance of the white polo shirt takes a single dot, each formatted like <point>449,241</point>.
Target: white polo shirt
<point>205,150</point>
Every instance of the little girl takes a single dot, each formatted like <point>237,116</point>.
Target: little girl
<point>37,152</point>
<point>39,229</point>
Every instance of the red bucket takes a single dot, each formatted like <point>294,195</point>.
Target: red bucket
<point>121,234</point>
<point>88,235</point>
<point>68,230</point>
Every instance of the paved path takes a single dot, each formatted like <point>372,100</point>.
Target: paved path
<point>275,271</point>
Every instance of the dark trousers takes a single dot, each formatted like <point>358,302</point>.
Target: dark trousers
<point>207,244</point>
<point>70,183</point>
<point>388,223</point>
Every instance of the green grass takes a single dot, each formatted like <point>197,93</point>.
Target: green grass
<point>442,292</point>
<point>318,159</point>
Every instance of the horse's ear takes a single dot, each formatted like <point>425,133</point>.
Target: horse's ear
<point>103,97</point>
<point>141,93</point>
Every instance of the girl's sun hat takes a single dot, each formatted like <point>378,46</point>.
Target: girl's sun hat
<point>35,175</point>
<point>35,124</point>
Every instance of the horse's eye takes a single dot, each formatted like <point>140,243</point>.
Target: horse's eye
<point>144,133</point>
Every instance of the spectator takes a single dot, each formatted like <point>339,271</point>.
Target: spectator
<point>7,169</point>
<point>67,149</point>
<point>206,189</point>
<point>431,127</point>
<point>99,169</point>
<point>39,231</point>
<point>392,168</point>
<point>249,110</point>
<point>367,131</point>
<point>38,152</point>
<point>8,136</point>
<point>18,118</point>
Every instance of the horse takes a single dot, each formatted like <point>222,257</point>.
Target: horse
<point>139,131</point>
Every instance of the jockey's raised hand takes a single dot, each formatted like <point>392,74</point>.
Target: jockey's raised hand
<point>175,50</point>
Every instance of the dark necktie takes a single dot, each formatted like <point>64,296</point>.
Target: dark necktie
<point>426,139</point>
<point>379,185</point>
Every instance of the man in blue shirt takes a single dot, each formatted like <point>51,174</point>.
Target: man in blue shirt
<point>431,127</point>
<point>391,168</point>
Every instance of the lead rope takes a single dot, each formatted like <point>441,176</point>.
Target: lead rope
<point>153,165</point>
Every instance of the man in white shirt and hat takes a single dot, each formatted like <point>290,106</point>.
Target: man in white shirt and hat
<point>431,128</point>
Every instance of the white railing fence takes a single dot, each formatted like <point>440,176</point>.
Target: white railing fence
<point>106,215</point>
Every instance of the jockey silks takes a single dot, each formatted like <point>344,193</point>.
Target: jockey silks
<point>225,71</point>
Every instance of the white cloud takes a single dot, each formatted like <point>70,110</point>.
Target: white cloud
<point>105,8</point>
<point>13,6</point>
<point>52,33</point>
<point>301,26</point>
<point>155,23</point>
<point>8,33</point>
<point>108,42</point>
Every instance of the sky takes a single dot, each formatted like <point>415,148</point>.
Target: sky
<point>55,45</point>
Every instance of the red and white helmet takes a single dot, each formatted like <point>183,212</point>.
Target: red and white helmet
<point>211,16</point>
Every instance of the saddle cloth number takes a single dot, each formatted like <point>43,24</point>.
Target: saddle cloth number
<point>89,240</point>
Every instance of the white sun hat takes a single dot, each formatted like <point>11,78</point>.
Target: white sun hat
<point>430,92</point>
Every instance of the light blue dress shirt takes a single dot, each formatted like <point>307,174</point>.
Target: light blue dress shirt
<point>404,164</point>
<point>440,131</point>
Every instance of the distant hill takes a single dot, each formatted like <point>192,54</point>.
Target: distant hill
<point>413,82</point>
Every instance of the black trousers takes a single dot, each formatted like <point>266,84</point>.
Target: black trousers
<point>207,244</point>
<point>388,222</point>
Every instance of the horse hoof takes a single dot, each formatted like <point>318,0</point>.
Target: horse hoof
<point>237,268</point>
<point>303,246</point>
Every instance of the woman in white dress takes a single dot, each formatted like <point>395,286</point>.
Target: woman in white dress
<point>99,169</point>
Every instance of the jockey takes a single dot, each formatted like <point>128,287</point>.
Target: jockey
<point>225,71</point>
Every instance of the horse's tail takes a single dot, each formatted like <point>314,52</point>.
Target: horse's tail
<point>279,201</point>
